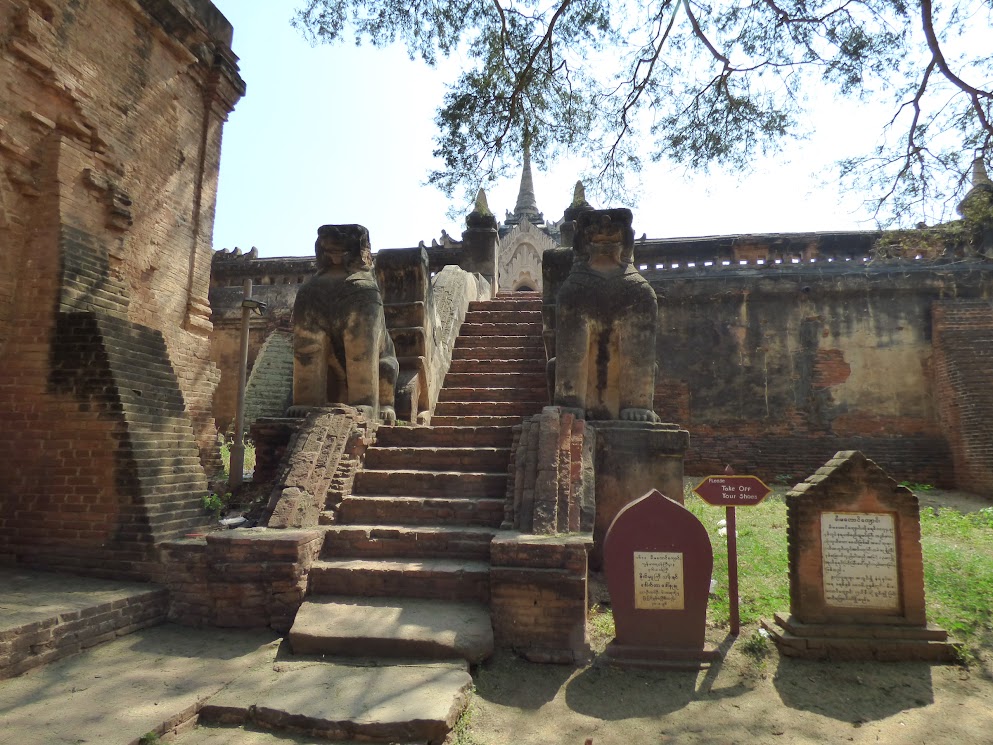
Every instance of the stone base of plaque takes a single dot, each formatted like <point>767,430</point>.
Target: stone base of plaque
<point>856,642</point>
<point>660,658</point>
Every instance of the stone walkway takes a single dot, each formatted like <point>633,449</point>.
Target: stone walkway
<point>164,678</point>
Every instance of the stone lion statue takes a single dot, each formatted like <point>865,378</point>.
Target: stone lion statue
<point>606,316</point>
<point>342,352</point>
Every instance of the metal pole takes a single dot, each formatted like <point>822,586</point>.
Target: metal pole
<point>237,467</point>
<point>733,570</point>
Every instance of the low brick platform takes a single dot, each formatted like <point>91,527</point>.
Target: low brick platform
<point>44,617</point>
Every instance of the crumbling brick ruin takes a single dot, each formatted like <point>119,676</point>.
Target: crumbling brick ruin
<point>110,135</point>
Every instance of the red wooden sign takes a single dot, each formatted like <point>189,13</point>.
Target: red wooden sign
<point>732,491</point>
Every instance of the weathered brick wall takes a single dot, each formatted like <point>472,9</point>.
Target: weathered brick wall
<point>774,371</point>
<point>241,579</point>
<point>963,363</point>
<point>109,139</point>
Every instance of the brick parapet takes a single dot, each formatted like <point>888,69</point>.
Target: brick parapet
<point>538,595</point>
<point>253,578</point>
<point>32,645</point>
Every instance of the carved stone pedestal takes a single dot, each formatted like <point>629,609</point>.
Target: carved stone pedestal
<point>633,458</point>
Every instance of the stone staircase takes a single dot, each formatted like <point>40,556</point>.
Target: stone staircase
<point>404,569</point>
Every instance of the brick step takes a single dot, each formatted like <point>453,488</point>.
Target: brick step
<point>510,335</point>
<point>444,437</point>
<point>430,483</point>
<point>374,510</point>
<point>476,421</point>
<point>444,579</point>
<point>480,379</point>
<point>480,393</point>
<point>161,424</point>
<point>519,355</point>
<point>529,366</point>
<point>487,408</point>
<point>164,459</point>
<point>504,316</point>
<point>392,627</point>
<point>150,409</point>
<point>500,329</point>
<point>440,458</point>
<point>153,474</point>
<point>407,541</point>
<point>507,303</point>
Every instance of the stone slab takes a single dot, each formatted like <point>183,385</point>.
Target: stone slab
<point>392,627</point>
<point>391,703</point>
<point>150,680</point>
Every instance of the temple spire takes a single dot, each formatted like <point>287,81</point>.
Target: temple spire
<point>977,202</point>
<point>527,205</point>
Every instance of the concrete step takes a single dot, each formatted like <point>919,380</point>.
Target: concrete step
<point>497,330</point>
<point>392,627</point>
<point>408,541</point>
<point>477,421</point>
<point>444,579</point>
<point>408,703</point>
<point>399,482</point>
<point>440,458</point>
<point>391,510</point>
<point>475,378</point>
<point>487,408</point>
<point>444,436</point>
<point>530,394</point>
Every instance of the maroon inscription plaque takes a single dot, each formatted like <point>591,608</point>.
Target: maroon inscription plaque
<point>658,561</point>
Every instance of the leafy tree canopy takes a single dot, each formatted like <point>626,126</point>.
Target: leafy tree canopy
<point>698,82</point>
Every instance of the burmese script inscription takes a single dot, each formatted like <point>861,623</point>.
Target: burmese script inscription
<point>858,550</point>
<point>658,580</point>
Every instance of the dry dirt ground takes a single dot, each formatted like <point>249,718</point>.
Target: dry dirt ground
<point>743,699</point>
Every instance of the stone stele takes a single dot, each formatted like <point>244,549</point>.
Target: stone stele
<point>658,562</point>
<point>856,569</point>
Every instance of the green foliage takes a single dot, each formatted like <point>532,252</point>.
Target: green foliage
<point>600,623</point>
<point>698,84</point>
<point>914,486</point>
<point>756,645</point>
<point>461,733</point>
<point>216,503</point>
<point>149,738</point>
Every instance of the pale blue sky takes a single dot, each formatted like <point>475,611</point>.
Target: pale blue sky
<point>339,134</point>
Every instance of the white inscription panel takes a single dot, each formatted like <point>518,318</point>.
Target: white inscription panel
<point>658,580</point>
<point>860,566</point>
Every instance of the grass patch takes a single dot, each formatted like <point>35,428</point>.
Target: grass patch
<point>249,458</point>
<point>958,572</point>
<point>763,570</point>
<point>958,565</point>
